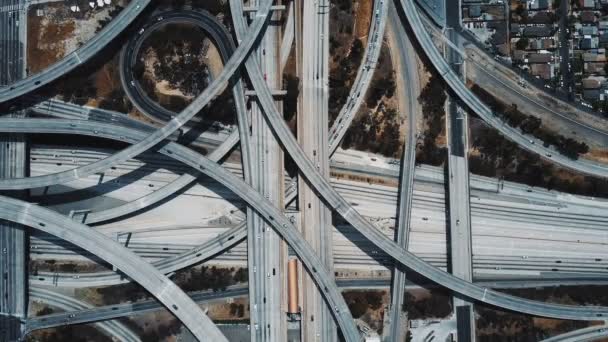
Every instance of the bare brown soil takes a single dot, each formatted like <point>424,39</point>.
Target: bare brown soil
<point>45,41</point>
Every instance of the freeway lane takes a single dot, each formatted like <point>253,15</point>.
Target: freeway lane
<point>592,333</point>
<point>279,222</point>
<point>167,265</point>
<point>271,214</point>
<point>364,75</point>
<point>159,135</point>
<point>406,58</point>
<point>112,329</point>
<point>262,244</point>
<point>106,249</point>
<point>544,212</point>
<point>409,260</point>
<point>81,55</point>
<point>312,123</point>
<point>13,163</point>
<point>130,52</point>
<point>109,312</point>
<point>69,110</point>
<point>527,142</point>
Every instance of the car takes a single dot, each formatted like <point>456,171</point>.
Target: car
<point>425,218</point>
<point>141,31</point>
<point>132,83</point>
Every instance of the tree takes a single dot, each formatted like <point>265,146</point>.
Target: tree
<point>356,50</point>
<point>44,311</point>
<point>522,43</point>
<point>290,103</point>
<point>556,4</point>
<point>357,309</point>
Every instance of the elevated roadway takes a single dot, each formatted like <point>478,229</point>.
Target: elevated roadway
<point>271,214</point>
<point>72,111</point>
<point>112,329</point>
<point>13,163</point>
<point>347,211</point>
<point>409,260</point>
<point>90,314</point>
<point>129,56</point>
<point>364,75</point>
<point>70,62</point>
<point>495,206</point>
<point>312,123</point>
<point>593,333</point>
<point>167,265</point>
<point>491,75</point>
<point>159,135</point>
<point>459,208</point>
<point>484,294</point>
<point>406,59</point>
<point>266,253</point>
<point>463,93</point>
<point>282,224</point>
<point>143,273</point>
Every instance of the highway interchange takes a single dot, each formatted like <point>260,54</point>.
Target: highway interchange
<point>13,163</point>
<point>144,138</point>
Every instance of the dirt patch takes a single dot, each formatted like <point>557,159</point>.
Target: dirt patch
<point>45,41</point>
<point>600,155</point>
<point>365,179</point>
<point>230,309</point>
<point>364,15</point>
<point>498,157</point>
<point>163,88</point>
<point>107,83</point>
<point>378,127</point>
<point>368,306</point>
<point>214,61</point>
<point>54,31</point>
<point>59,266</point>
<point>346,54</point>
<point>495,325</point>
